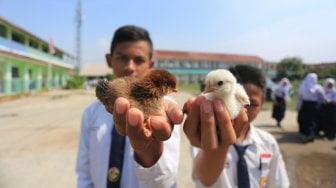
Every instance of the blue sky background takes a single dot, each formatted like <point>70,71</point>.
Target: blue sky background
<point>271,29</point>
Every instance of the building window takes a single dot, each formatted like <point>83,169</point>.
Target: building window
<point>176,64</point>
<point>17,37</point>
<point>15,72</point>
<point>3,31</point>
<point>186,64</point>
<point>223,65</point>
<point>45,49</point>
<point>33,43</point>
<point>195,64</point>
<point>205,64</point>
<point>30,73</point>
<point>59,54</point>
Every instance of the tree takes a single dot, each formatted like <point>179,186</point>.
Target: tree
<point>327,73</point>
<point>290,67</point>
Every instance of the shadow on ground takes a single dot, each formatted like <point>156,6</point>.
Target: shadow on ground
<point>282,135</point>
<point>311,164</point>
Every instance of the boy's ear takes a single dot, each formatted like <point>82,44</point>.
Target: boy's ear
<point>108,58</point>
<point>151,64</point>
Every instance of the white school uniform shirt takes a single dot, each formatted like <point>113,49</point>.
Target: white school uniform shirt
<point>94,150</point>
<point>310,90</point>
<point>330,95</point>
<point>281,90</point>
<point>266,166</point>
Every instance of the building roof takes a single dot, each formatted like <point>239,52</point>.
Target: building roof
<point>200,56</point>
<point>18,28</point>
<point>95,69</point>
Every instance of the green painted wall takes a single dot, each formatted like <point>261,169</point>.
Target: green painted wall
<point>28,69</point>
<point>30,76</point>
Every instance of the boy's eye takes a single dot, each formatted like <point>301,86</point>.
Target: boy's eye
<point>122,58</point>
<point>139,60</point>
<point>254,104</point>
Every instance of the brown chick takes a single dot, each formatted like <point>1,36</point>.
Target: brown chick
<point>145,94</point>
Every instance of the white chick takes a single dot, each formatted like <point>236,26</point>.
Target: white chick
<point>223,85</point>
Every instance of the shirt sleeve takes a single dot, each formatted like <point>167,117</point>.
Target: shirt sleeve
<point>162,174</point>
<point>287,94</point>
<point>277,177</point>
<point>82,165</point>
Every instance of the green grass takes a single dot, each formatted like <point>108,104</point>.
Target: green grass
<point>190,88</point>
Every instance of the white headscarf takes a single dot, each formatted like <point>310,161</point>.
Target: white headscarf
<point>282,90</point>
<point>288,84</point>
<point>309,84</point>
<point>329,81</point>
<point>330,93</point>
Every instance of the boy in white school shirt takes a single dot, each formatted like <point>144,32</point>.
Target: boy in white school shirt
<point>152,166</point>
<point>215,153</point>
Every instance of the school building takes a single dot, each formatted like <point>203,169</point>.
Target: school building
<point>28,62</point>
<point>192,67</point>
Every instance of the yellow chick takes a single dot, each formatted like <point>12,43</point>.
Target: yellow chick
<point>223,85</point>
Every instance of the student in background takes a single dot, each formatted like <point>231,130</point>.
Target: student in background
<point>280,97</point>
<point>234,153</point>
<point>310,97</point>
<point>328,110</point>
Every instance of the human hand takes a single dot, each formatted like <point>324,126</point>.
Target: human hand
<point>208,124</point>
<point>146,137</point>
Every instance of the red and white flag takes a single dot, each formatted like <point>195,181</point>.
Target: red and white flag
<point>52,49</point>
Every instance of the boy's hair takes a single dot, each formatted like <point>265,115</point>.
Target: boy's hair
<point>248,74</point>
<point>131,33</point>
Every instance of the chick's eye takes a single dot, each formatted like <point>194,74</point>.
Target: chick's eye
<point>220,83</point>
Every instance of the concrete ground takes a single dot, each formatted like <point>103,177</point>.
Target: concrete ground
<point>39,138</point>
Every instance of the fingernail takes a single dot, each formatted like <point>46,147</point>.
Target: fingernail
<point>177,116</point>
<point>120,109</point>
<point>218,106</point>
<point>207,107</point>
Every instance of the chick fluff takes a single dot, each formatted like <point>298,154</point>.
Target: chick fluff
<point>146,94</point>
<point>223,85</point>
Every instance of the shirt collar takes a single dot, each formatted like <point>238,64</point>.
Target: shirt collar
<point>251,137</point>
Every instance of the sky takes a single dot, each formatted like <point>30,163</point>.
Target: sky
<point>270,29</point>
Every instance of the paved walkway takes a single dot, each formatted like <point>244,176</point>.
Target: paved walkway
<point>39,138</point>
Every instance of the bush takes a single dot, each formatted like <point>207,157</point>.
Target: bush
<point>75,82</point>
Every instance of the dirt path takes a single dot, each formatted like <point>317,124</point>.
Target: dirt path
<point>39,138</point>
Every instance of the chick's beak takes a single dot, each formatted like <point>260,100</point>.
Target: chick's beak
<point>175,90</point>
<point>208,87</point>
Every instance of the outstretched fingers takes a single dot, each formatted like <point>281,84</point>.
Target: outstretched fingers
<point>120,109</point>
<point>191,124</point>
<point>226,132</point>
<point>137,130</point>
<point>209,138</point>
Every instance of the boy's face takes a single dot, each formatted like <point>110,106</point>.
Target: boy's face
<point>130,59</point>
<point>256,96</point>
